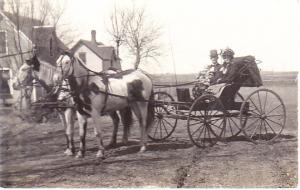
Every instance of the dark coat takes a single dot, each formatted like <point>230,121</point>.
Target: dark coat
<point>228,77</point>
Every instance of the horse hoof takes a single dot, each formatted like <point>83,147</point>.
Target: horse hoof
<point>100,154</point>
<point>79,155</point>
<point>68,152</point>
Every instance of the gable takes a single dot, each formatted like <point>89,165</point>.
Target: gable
<point>93,62</point>
<point>102,51</point>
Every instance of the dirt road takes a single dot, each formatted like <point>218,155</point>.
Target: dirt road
<point>32,156</point>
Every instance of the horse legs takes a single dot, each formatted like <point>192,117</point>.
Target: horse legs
<point>62,117</point>
<point>126,117</point>
<point>140,109</point>
<point>82,122</point>
<point>70,119</point>
<point>115,118</point>
<point>98,133</point>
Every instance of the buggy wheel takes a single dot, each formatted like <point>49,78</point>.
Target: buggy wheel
<point>206,121</point>
<point>163,125</point>
<point>233,127</point>
<point>262,116</point>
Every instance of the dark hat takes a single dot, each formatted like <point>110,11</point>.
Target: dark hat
<point>227,52</point>
<point>213,53</point>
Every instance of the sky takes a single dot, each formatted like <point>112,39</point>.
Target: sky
<point>266,29</point>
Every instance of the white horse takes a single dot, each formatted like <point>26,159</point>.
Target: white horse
<point>96,94</point>
<point>47,75</point>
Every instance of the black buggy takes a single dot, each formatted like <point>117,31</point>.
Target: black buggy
<point>221,112</point>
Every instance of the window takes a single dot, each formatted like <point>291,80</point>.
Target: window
<point>3,42</point>
<point>82,56</point>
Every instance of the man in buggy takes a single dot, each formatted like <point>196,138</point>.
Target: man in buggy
<point>205,77</point>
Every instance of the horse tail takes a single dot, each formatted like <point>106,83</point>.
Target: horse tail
<point>150,116</point>
<point>126,117</point>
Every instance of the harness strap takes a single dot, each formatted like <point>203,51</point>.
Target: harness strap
<point>106,96</point>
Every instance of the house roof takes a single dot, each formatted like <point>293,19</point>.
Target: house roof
<point>26,23</point>
<point>102,51</point>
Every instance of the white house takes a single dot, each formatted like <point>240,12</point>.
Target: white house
<point>96,55</point>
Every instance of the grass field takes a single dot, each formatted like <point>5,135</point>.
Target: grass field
<point>268,77</point>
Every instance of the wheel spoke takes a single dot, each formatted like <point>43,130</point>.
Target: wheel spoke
<point>199,137</point>
<point>254,131</point>
<point>275,115</point>
<point>266,99</point>
<point>217,125</point>
<point>254,110</point>
<point>255,106</point>
<point>259,135</point>
<point>209,137</point>
<point>202,129</point>
<point>195,123</point>
<point>168,122</point>
<point>273,109</point>
<point>265,127</point>
<point>259,102</point>
<point>270,127</point>
<point>274,122</point>
<point>160,129</point>
<point>165,127</point>
<point>231,127</point>
<point>198,130</point>
<point>253,123</point>
<point>215,121</point>
<point>235,123</point>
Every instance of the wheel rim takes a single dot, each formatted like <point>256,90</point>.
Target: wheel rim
<point>162,127</point>
<point>263,119</point>
<point>206,121</point>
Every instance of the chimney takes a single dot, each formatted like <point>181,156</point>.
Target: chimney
<point>93,35</point>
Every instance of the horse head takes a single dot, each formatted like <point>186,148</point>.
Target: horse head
<point>65,65</point>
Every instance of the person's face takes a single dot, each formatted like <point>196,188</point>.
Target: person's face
<point>227,59</point>
<point>214,60</point>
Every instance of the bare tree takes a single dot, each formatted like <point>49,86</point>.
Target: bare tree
<point>133,29</point>
<point>15,6</point>
<point>117,27</point>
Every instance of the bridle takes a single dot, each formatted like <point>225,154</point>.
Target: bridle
<point>65,74</point>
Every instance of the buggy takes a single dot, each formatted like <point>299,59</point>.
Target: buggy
<point>221,113</point>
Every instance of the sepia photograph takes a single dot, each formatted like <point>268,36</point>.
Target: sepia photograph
<point>149,93</point>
